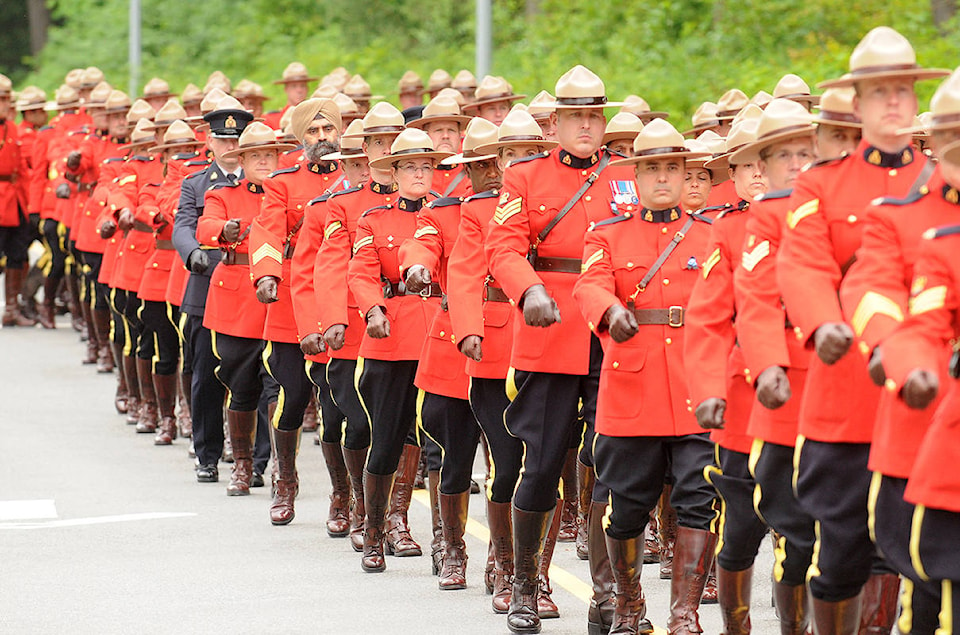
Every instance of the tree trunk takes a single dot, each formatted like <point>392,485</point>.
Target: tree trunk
<point>943,11</point>
<point>39,17</point>
<point>532,9</point>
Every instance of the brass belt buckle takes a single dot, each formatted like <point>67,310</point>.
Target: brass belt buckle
<point>427,291</point>
<point>675,316</point>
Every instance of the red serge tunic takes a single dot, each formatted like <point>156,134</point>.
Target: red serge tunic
<point>11,164</point>
<point>179,274</point>
<point>138,243</point>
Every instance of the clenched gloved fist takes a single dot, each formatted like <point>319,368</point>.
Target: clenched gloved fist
<point>312,344</point>
<point>418,278</point>
<point>621,323</point>
<point>773,388</point>
<point>471,347</point>
<point>832,341</point>
<point>710,413</point>
<point>62,191</point>
<point>875,367</point>
<point>125,219</point>
<point>107,229</point>
<point>539,309</point>
<point>335,336</point>
<point>73,160</point>
<point>267,289</point>
<point>378,326</point>
<point>198,261</point>
<point>920,389</point>
<point>231,231</point>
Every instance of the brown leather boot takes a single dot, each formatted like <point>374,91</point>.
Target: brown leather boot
<point>165,387</point>
<point>546,607</point>
<point>501,535</point>
<point>46,312</point>
<point>74,304</point>
<point>12,316</point>
<point>184,418</point>
<point>692,560</point>
<point>122,395</point>
<point>133,389</point>
<point>93,342</point>
<point>710,593</point>
<point>101,325</point>
<point>836,618</point>
<point>601,609</point>
<point>792,609</point>
<point>286,442</point>
<point>586,477</point>
<point>667,517</point>
<point>338,516</point>
<point>568,515</point>
<point>651,539</point>
<point>626,562</point>
<point>310,419</point>
<point>529,531</point>
<point>355,461</point>
<point>399,542</point>
<point>148,420</point>
<point>453,515</point>
<point>376,496</point>
<point>436,542</point>
<point>242,427</point>
<point>734,597</point>
<point>878,604</point>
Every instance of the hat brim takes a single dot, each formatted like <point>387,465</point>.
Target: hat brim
<point>260,98</point>
<point>493,148</point>
<point>493,100</point>
<point>54,106</point>
<point>609,104</point>
<point>160,96</point>
<point>422,121</point>
<point>951,153</point>
<point>813,100</point>
<point>703,127</point>
<point>619,135</point>
<point>340,156</point>
<point>296,80</point>
<point>384,163</point>
<point>917,73</point>
<point>180,144</point>
<point>838,123</point>
<point>751,151</point>
<point>137,144</point>
<point>362,134</point>
<point>25,107</point>
<point>662,155</point>
<point>647,117</point>
<point>278,146</point>
<point>460,159</point>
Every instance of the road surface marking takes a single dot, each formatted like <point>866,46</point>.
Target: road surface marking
<point>95,520</point>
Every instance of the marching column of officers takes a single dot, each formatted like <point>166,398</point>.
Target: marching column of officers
<point>667,348</point>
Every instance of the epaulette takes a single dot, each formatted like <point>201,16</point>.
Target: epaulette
<point>290,170</point>
<point>435,195</point>
<point>609,221</point>
<point>375,209</point>
<point>140,157</point>
<point>184,156</point>
<point>222,184</point>
<point>45,128</point>
<point>912,197</point>
<point>349,190</point>
<point>701,214</point>
<point>830,161</point>
<point>446,201</point>
<point>320,199</point>
<point>942,232</point>
<point>194,175</point>
<point>113,159</point>
<point>532,157</point>
<point>774,195</point>
<point>198,162</point>
<point>481,195</point>
<point>272,112</point>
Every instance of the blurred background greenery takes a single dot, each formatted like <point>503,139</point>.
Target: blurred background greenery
<point>674,53</point>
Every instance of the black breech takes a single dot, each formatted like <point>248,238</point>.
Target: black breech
<point>740,529</point>
<point>450,422</point>
<point>239,369</point>
<point>160,336</point>
<point>488,399</point>
<point>284,361</point>
<point>390,399</point>
<point>341,378</point>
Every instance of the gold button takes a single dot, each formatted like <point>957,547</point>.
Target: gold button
<point>616,364</point>
<point>689,409</point>
<point>890,385</point>
<point>214,238</point>
<point>746,371</point>
<point>629,208</point>
<point>583,172</point>
<point>663,230</point>
<point>220,283</point>
<point>155,265</point>
<point>299,206</point>
<point>587,198</point>
<point>442,333</point>
<point>387,199</point>
<point>864,348</point>
<point>453,338</point>
<point>668,341</point>
<point>893,172</point>
<point>798,332</point>
<point>851,219</point>
<point>666,281</point>
<point>590,325</point>
<point>629,264</point>
<point>543,208</point>
<point>688,402</point>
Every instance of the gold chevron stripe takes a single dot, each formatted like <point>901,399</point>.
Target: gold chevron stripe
<point>711,262</point>
<point>873,304</point>
<point>752,258</point>
<point>504,212</point>
<point>928,300</point>
<point>809,208</point>
<point>363,242</point>
<point>266,250</point>
<point>130,178</point>
<point>594,258</point>
<point>332,228</point>
<point>427,230</point>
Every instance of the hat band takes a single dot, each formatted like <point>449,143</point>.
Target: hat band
<point>473,154</point>
<point>506,95</point>
<point>795,96</point>
<point>150,139</point>
<point>724,114</point>
<point>826,116</point>
<point>937,120</point>
<point>707,124</point>
<point>296,78</point>
<point>180,141</point>
<point>804,127</point>
<point>412,151</point>
<point>356,96</point>
<point>581,101</point>
<point>655,151</point>
<point>884,68</point>
<point>254,146</point>
<point>521,137</point>
<point>376,129</point>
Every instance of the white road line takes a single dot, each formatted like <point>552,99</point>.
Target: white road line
<point>27,510</point>
<point>96,520</point>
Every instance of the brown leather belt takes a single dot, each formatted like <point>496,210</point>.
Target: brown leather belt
<point>495,294</point>
<point>140,226</point>
<point>393,289</point>
<point>164,245</point>
<point>233,258</point>
<point>672,316</point>
<point>7,178</point>
<point>557,265</point>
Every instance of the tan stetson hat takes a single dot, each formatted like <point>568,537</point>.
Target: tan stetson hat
<point>140,110</point>
<point>168,113</point>
<point>349,111</point>
<point>294,72</point>
<point>836,108</point>
<point>440,109</point>
<point>783,119</point>
<point>658,140</point>
<point>337,81</point>
<point>761,99</point>
<point>117,101</point>
<point>350,147</point>
<point>98,96</point>
<point>623,125</point>
<point>383,118</point>
<point>480,132</point>
<point>178,135</point>
<point>705,117</point>
<point>883,53</point>
<point>730,103</point>
<point>359,88</point>
<point>920,130</point>
<point>742,132</point>
<point>324,91</point>
<point>491,90</point>
<point>258,136</point>
<point>141,136</point>
<point>411,144</point>
<point>944,107</point>
<point>951,153</point>
<point>191,94</point>
<point>542,105</point>
<point>465,82</point>
<point>285,120</point>
<point>793,87</point>
<point>519,129</point>
<point>246,89</point>
<point>453,94</point>
<point>520,106</point>
<point>90,77</point>
<point>157,87</point>
<point>31,98</point>
<point>208,104</point>
<point>636,105</point>
<point>580,87</point>
<point>67,98</point>
<point>74,78</point>
<point>439,79</point>
<point>218,79</point>
<point>410,83</point>
<point>693,145</point>
<point>6,86</point>
<point>708,141</point>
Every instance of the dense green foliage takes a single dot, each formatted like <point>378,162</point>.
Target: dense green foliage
<point>675,53</point>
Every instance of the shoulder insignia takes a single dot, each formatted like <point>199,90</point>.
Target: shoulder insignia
<point>198,162</point>
<point>184,156</point>
<point>195,174</point>
<point>320,199</point>
<point>376,209</point>
<point>140,157</point>
<point>446,201</point>
<point>532,157</point>
<point>477,197</point>
<point>113,159</point>
<point>822,162</point>
<point>943,232</point>
<point>912,197</point>
<point>349,190</point>
<point>290,170</point>
<point>610,221</point>
<point>774,195</point>
<point>45,128</point>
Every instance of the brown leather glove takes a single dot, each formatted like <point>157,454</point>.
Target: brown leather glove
<point>312,344</point>
<point>710,413</point>
<point>231,231</point>
<point>418,278</point>
<point>472,347</point>
<point>539,309</point>
<point>920,389</point>
<point>335,337</point>
<point>73,160</point>
<point>875,367</point>
<point>621,323</point>
<point>107,229</point>
<point>160,220</point>
<point>831,341</point>
<point>267,289</point>
<point>773,388</point>
<point>378,326</point>
<point>125,219</point>
<point>62,191</point>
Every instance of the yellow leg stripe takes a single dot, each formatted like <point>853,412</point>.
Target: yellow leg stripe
<point>905,621</point>
<point>872,495</point>
<point>797,451</point>
<point>916,524</point>
<point>946,608</point>
<point>363,404</point>
<point>511,385</point>
<point>814,570</point>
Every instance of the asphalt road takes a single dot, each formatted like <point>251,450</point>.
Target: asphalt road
<point>102,532</point>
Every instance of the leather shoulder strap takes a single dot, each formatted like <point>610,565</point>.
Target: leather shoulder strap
<point>662,258</point>
<point>604,161</point>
